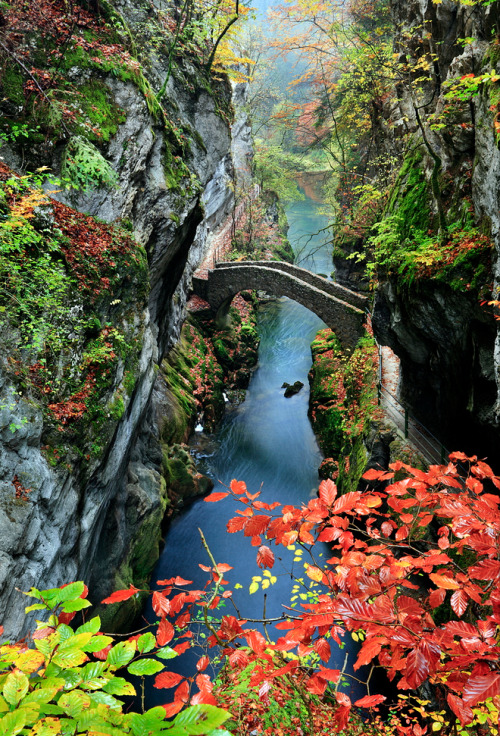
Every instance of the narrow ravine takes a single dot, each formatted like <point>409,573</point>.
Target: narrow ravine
<point>267,442</point>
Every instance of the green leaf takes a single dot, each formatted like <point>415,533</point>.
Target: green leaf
<point>72,678</point>
<point>74,703</point>
<point>46,646</point>
<point>145,667</point>
<point>91,720</point>
<point>32,712</point>
<point>54,596</point>
<point>119,686</point>
<point>146,642</point>
<point>15,687</point>
<point>69,658</point>
<point>68,726</point>
<point>43,695</point>
<point>13,723</point>
<point>198,719</point>
<point>52,709</point>
<point>35,607</point>
<point>71,591</point>
<point>121,654</point>
<point>107,699</point>
<point>92,626</point>
<point>97,643</point>
<point>156,712</point>
<point>166,653</point>
<point>75,605</point>
<point>34,593</point>
<point>145,724</point>
<point>93,670</point>
<point>65,632</point>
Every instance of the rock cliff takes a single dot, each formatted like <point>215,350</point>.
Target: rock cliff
<point>431,310</point>
<point>80,500</point>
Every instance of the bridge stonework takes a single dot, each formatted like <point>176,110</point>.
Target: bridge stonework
<point>340,308</point>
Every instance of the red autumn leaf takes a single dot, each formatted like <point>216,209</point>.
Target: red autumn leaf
<point>181,648</point>
<point>238,486</point>
<point>161,605</point>
<point>444,581</point>
<point>223,567</point>
<point>402,533</point>
<point>342,717</point>
<point>371,648</point>
<point>182,692</point>
<point>256,641</point>
<point>216,496</point>
<point>328,674</point>
<point>485,570</point>
<point>167,679</point>
<point>121,595</point>
<point>373,474</point>
<point>480,688</point>
<point>417,667</point>
<point>256,525</point>
<point>459,601</point>
<point>437,597</point>
<point>316,685</point>
<point>462,711</point>
<point>204,682</point>
<point>369,701</point>
<point>165,633</point>
<point>202,663</point>
<point>343,699</point>
<point>322,647</point>
<point>204,697</point>
<point>172,708</point>
<point>66,618</point>
<point>238,658</point>
<point>346,502</point>
<point>265,557</point>
<point>236,524</point>
<point>102,654</point>
<point>328,491</point>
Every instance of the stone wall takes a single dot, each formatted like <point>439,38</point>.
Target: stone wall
<point>224,282</point>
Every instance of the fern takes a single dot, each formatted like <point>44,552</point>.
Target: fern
<point>84,166</point>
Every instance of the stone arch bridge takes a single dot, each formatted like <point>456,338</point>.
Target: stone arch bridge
<point>341,309</point>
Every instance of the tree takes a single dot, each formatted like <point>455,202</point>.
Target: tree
<point>414,576</point>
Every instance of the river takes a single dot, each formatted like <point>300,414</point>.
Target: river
<point>267,441</point>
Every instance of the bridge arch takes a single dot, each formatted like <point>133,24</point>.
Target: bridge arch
<point>340,308</point>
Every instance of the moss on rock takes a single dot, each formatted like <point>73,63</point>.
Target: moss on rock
<point>342,404</point>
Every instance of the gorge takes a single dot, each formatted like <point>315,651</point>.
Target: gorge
<point>127,161</point>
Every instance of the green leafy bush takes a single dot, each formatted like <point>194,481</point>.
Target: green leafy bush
<point>66,681</point>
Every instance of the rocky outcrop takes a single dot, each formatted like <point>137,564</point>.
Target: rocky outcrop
<point>438,323</point>
<point>100,520</point>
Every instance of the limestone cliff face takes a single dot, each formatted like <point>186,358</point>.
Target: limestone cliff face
<point>101,522</point>
<point>447,341</point>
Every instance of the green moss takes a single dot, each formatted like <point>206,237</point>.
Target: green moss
<point>342,403</point>
<point>352,466</point>
<point>116,409</point>
<point>411,197</point>
<point>12,84</point>
<point>99,107</point>
<point>493,53</point>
